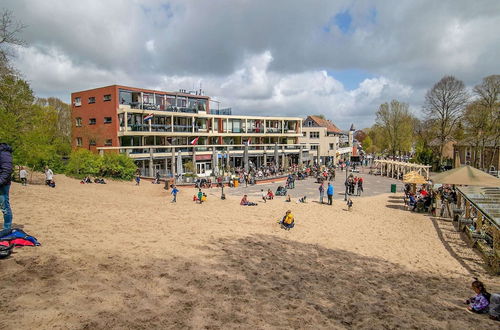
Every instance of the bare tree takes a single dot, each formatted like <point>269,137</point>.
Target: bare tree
<point>9,36</point>
<point>444,104</point>
<point>487,108</point>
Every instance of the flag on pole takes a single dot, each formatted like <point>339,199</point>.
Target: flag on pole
<point>148,117</point>
<point>195,141</point>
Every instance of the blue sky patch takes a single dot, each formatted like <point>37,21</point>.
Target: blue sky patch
<point>350,78</point>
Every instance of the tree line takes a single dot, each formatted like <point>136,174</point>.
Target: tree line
<point>451,113</point>
<point>39,129</point>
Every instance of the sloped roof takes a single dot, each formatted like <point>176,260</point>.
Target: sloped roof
<point>330,127</point>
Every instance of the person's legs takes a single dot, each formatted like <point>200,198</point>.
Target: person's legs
<point>321,198</point>
<point>330,199</point>
<point>5,206</point>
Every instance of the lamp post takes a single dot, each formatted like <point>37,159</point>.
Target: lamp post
<point>345,183</point>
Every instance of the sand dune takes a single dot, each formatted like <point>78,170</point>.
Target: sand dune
<point>121,256</point>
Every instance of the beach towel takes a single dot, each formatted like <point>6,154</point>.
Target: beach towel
<point>17,242</point>
<point>16,233</point>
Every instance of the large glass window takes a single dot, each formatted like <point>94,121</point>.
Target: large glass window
<point>125,97</point>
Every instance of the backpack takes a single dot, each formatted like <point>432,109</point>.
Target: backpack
<point>5,251</point>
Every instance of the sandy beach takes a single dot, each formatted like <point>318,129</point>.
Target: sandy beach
<point>122,256</point>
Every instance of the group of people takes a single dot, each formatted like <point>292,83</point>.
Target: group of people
<point>330,190</point>
<point>87,179</point>
<point>354,185</point>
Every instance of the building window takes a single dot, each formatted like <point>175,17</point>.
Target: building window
<point>314,135</point>
<point>79,142</point>
<point>92,121</point>
<point>78,122</point>
<point>107,98</point>
<point>108,142</point>
<point>314,147</point>
<point>91,100</point>
<point>92,142</point>
<point>108,120</point>
<point>78,101</point>
<point>305,134</point>
<point>332,146</point>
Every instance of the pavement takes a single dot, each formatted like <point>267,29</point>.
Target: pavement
<point>372,185</point>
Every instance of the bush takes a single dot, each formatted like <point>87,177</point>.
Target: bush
<point>118,166</point>
<point>84,163</point>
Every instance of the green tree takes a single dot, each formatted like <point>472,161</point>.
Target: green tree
<point>118,166</point>
<point>396,125</point>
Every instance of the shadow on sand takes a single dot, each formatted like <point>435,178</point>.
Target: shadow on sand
<point>258,281</point>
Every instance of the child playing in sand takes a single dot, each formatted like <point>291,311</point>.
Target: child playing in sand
<point>288,199</point>
<point>288,221</point>
<point>264,195</point>
<point>481,301</point>
<point>200,196</point>
<point>174,193</point>
<point>349,204</point>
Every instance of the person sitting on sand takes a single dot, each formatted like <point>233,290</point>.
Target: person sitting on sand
<point>246,202</point>
<point>302,200</point>
<point>288,221</point>
<point>270,194</point>
<point>495,306</point>
<point>481,301</point>
<point>288,199</point>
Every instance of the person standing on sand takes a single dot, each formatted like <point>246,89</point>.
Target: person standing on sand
<point>174,193</point>
<point>5,178</point>
<point>49,176</point>
<point>263,194</point>
<point>329,192</point>
<point>321,193</point>
<point>200,196</point>
<point>23,175</point>
<point>137,177</point>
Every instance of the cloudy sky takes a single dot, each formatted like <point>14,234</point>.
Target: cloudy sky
<point>272,57</point>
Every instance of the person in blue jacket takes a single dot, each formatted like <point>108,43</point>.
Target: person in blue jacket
<point>5,178</point>
<point>329,192</point>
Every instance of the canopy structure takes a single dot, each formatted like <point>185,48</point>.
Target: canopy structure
<point>396,169</point>
<point>467,176</point>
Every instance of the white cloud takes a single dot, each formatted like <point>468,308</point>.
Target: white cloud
<point>261,56</point>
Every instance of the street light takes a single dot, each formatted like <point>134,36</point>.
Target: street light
<point>345,183</point>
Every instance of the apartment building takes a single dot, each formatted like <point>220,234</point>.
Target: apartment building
<point>163,131</point>
<point>326,142</point>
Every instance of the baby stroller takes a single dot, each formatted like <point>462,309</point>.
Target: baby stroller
<point>281,191</point>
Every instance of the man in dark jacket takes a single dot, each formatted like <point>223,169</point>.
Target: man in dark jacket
<point>5,176</point>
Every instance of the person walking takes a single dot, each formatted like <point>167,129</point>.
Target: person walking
<point>321,193</point>
<point>174,193</point>
<point>5,179</point>
<point>360,186</point>
<point>137,177</point>
<point>329,192</point>
<point>23,175</point>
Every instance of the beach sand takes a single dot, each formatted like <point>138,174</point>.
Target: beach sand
<point>121,256</point>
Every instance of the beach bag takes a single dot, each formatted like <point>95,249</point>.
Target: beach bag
<point>5,250</point>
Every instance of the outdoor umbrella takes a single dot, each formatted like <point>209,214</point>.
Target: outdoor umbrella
<point>276,154</point>
<point>245,157</point>
<point>214,161</point>
<point>468,176</point>
<point>179,164</point>
<point>415,179</point>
